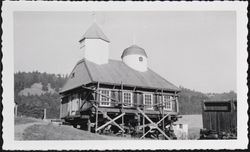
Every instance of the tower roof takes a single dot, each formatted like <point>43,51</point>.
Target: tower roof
<point>94,32</point>
<point>134,49</point>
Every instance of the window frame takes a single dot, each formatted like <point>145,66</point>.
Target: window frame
<point>131,99</point>
<point>100,98</point>
<point>144,101</point>
<point>165,102</point>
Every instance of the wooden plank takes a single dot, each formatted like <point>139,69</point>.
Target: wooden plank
<point>153,123</point>
<point>156,124</point>
<point>111,121</point>
<point>96,108</point>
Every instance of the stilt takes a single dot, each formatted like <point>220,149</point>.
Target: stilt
<point>96,108</point>
<point>143,123</point>
<point>162,108</point>
<point>89,125</point>
<point>122,108</point>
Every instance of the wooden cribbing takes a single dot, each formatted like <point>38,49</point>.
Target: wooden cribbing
<point>112,121</point>
<point>154,124</point>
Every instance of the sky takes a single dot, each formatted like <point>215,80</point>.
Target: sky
<point>193,49</point>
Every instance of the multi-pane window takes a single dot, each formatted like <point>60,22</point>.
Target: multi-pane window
<point>127,99</point>
<point>148,101</point>
<point>167,102</point>
<point>104,101</point>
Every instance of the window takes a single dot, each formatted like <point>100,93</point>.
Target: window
<point>104,101</point>
<point>140,59</point>
<point>148,101</point>
<point>167,102</point>
<point>127,99</point>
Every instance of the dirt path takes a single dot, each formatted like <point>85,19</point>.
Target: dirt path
<point>19,129</point>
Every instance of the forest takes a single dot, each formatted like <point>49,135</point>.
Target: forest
<point>33,105</point>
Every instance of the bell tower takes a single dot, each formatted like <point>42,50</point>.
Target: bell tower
<point>95,45</point>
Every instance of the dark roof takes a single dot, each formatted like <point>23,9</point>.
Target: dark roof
<point>115,72</point>
<point>134,49</point>
<point>94,32</point>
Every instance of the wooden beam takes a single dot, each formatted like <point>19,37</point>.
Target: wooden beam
<point>112,99</point>
<point>163,127</point>
<point>111,121</point>
<point>96,107</point>
<point>122,107</point>
<point>162,119</point>
<point>114,122</point>
<point>155,125</point>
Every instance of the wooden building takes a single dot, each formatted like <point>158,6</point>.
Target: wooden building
<point>220,116</point>
<point>102,93</point>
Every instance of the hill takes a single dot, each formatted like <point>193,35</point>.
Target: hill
<point>35,91</point>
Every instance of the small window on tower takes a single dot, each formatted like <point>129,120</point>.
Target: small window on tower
<point>140,59</point>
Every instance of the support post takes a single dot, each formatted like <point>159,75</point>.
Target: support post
<point>143,120</point>
<point>89,125</point>
<point>44,114</point>
<point>163,104</point>
<point>96,108</point>
<point>177,103</point>
<point>122,108</point>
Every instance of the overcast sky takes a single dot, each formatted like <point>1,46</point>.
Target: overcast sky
<point>193,49</point>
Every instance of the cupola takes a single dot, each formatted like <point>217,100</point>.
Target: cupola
<point>95,45</point>
<point>136,58</point>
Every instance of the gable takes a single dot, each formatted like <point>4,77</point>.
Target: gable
<point>77,77</point>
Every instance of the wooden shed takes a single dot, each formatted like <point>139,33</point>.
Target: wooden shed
<point>220,115</point>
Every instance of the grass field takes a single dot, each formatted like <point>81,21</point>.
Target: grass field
<point>194,125</point>
<point>36,129</point>
<point>25,120</point>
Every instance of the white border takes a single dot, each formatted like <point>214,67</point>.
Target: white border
<point>8,63</point>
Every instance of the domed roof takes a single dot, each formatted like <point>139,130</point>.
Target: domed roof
<point>134,49</point>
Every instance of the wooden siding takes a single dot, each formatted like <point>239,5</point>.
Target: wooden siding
<point>137,97</point>
<point>217,118</point>
<point>64,110</point>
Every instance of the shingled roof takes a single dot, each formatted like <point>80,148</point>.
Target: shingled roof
<point>114,72</point>
<point>94,32</point>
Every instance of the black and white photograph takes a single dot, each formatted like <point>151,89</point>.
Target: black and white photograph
<point>111,76</point>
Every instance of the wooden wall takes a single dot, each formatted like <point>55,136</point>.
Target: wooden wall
<point>115,94</point>
<point>220,116</point>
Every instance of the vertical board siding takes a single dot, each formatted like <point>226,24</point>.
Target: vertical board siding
<point>64,110</point>
<point>220,120</point>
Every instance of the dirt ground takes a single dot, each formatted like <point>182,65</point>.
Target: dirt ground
<point>35,129</point>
